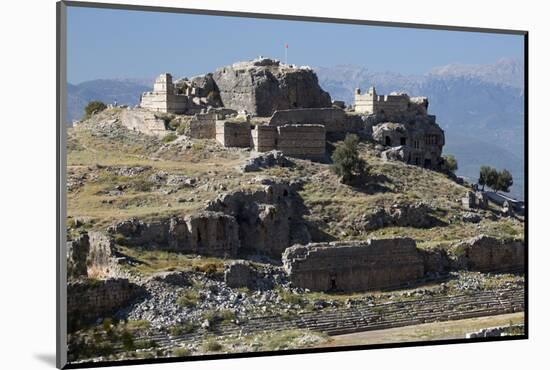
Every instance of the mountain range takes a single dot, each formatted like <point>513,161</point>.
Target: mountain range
<point>480,107</point>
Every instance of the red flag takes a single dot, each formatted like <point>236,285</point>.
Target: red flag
<point>286,45</point>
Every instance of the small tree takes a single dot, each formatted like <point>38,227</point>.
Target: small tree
<point>94,107</point>
<point>504,181</point>
<point>487,176</point>
<point>492,178</point>
<point>483,174</point>
<point>346,161</point>
<point>449,163</point>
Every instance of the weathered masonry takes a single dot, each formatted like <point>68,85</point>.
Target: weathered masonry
<point>233,133</point>
<point>354,266</point>
<point>392,104</point>
<point>163,97</point>
<point>334,119</point>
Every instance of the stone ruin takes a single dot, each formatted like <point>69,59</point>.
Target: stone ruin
<point>402,125</point>
<point>394,105</point>
<point>354,266</point>
<point>205,233</point>
<point>90,253</point>
<point>164,98</point>
<point>300,113</point>
<point>394,262</point>
<point>475,200</point>
<point>488,254</point>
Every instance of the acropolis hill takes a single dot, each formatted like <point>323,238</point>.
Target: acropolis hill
<point>211,210</point>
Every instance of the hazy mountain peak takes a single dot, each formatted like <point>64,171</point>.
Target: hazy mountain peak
<point>505,71</point>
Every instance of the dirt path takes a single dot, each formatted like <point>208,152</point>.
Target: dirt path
<point>432,331</point>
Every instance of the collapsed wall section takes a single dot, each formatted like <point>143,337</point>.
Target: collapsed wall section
<point>143,121</point>
<point>354,266</point>
<point>488,254</point>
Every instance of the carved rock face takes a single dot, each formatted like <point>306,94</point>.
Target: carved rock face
<point>262,88</point>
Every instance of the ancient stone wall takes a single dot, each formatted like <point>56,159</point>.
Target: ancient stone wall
<point>203,126</point>
<point>206,233</point>
<point>233,134</point>
<point>143,121</point>
<point>264,138</point>
<point>163,98</point>
<point>91,254</point>
<point>488,254</point>
<point>302,141</point>
<point>354,266</point>
<point>334,119</point>
<point>89,300</point>
<point>391,105</point>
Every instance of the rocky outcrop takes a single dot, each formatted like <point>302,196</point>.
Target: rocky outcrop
<point>274,158</point>
<point>263,86</point>
<point>354,266</point>
<point>488,254</point>
<point>207,233</point>
<point>418,215</point>
<point>264,216</point>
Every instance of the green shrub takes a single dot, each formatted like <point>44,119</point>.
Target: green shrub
<point>189,298</point>
<point>146,344</point>
<point>209,268</point>
<point>128,341</point>
<point>94,107</point>
<point>346,161</point>
<point>142,185</point>
<point>227,315</point>
<point>183,328</point>
<point>181,352</point>
<point>169,138</point>
<point>449,163</point>
<point>182,128</point>
<point>290,298</point>
<point>212,345</point>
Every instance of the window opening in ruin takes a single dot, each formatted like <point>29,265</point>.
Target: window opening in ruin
<point>198,236</point>
<point>403,141</point>
<point>427,163</point>
<point>388,141</point>
<point>285,193</point>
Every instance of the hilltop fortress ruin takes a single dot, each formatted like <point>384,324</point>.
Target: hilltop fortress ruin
<point>268,105</point>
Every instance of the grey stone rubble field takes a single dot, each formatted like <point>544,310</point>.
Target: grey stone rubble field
<point>159,304</point>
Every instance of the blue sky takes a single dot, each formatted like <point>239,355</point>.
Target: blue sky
<point>105,43</point>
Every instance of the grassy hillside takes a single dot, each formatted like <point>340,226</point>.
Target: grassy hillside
<point>113,174</point>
